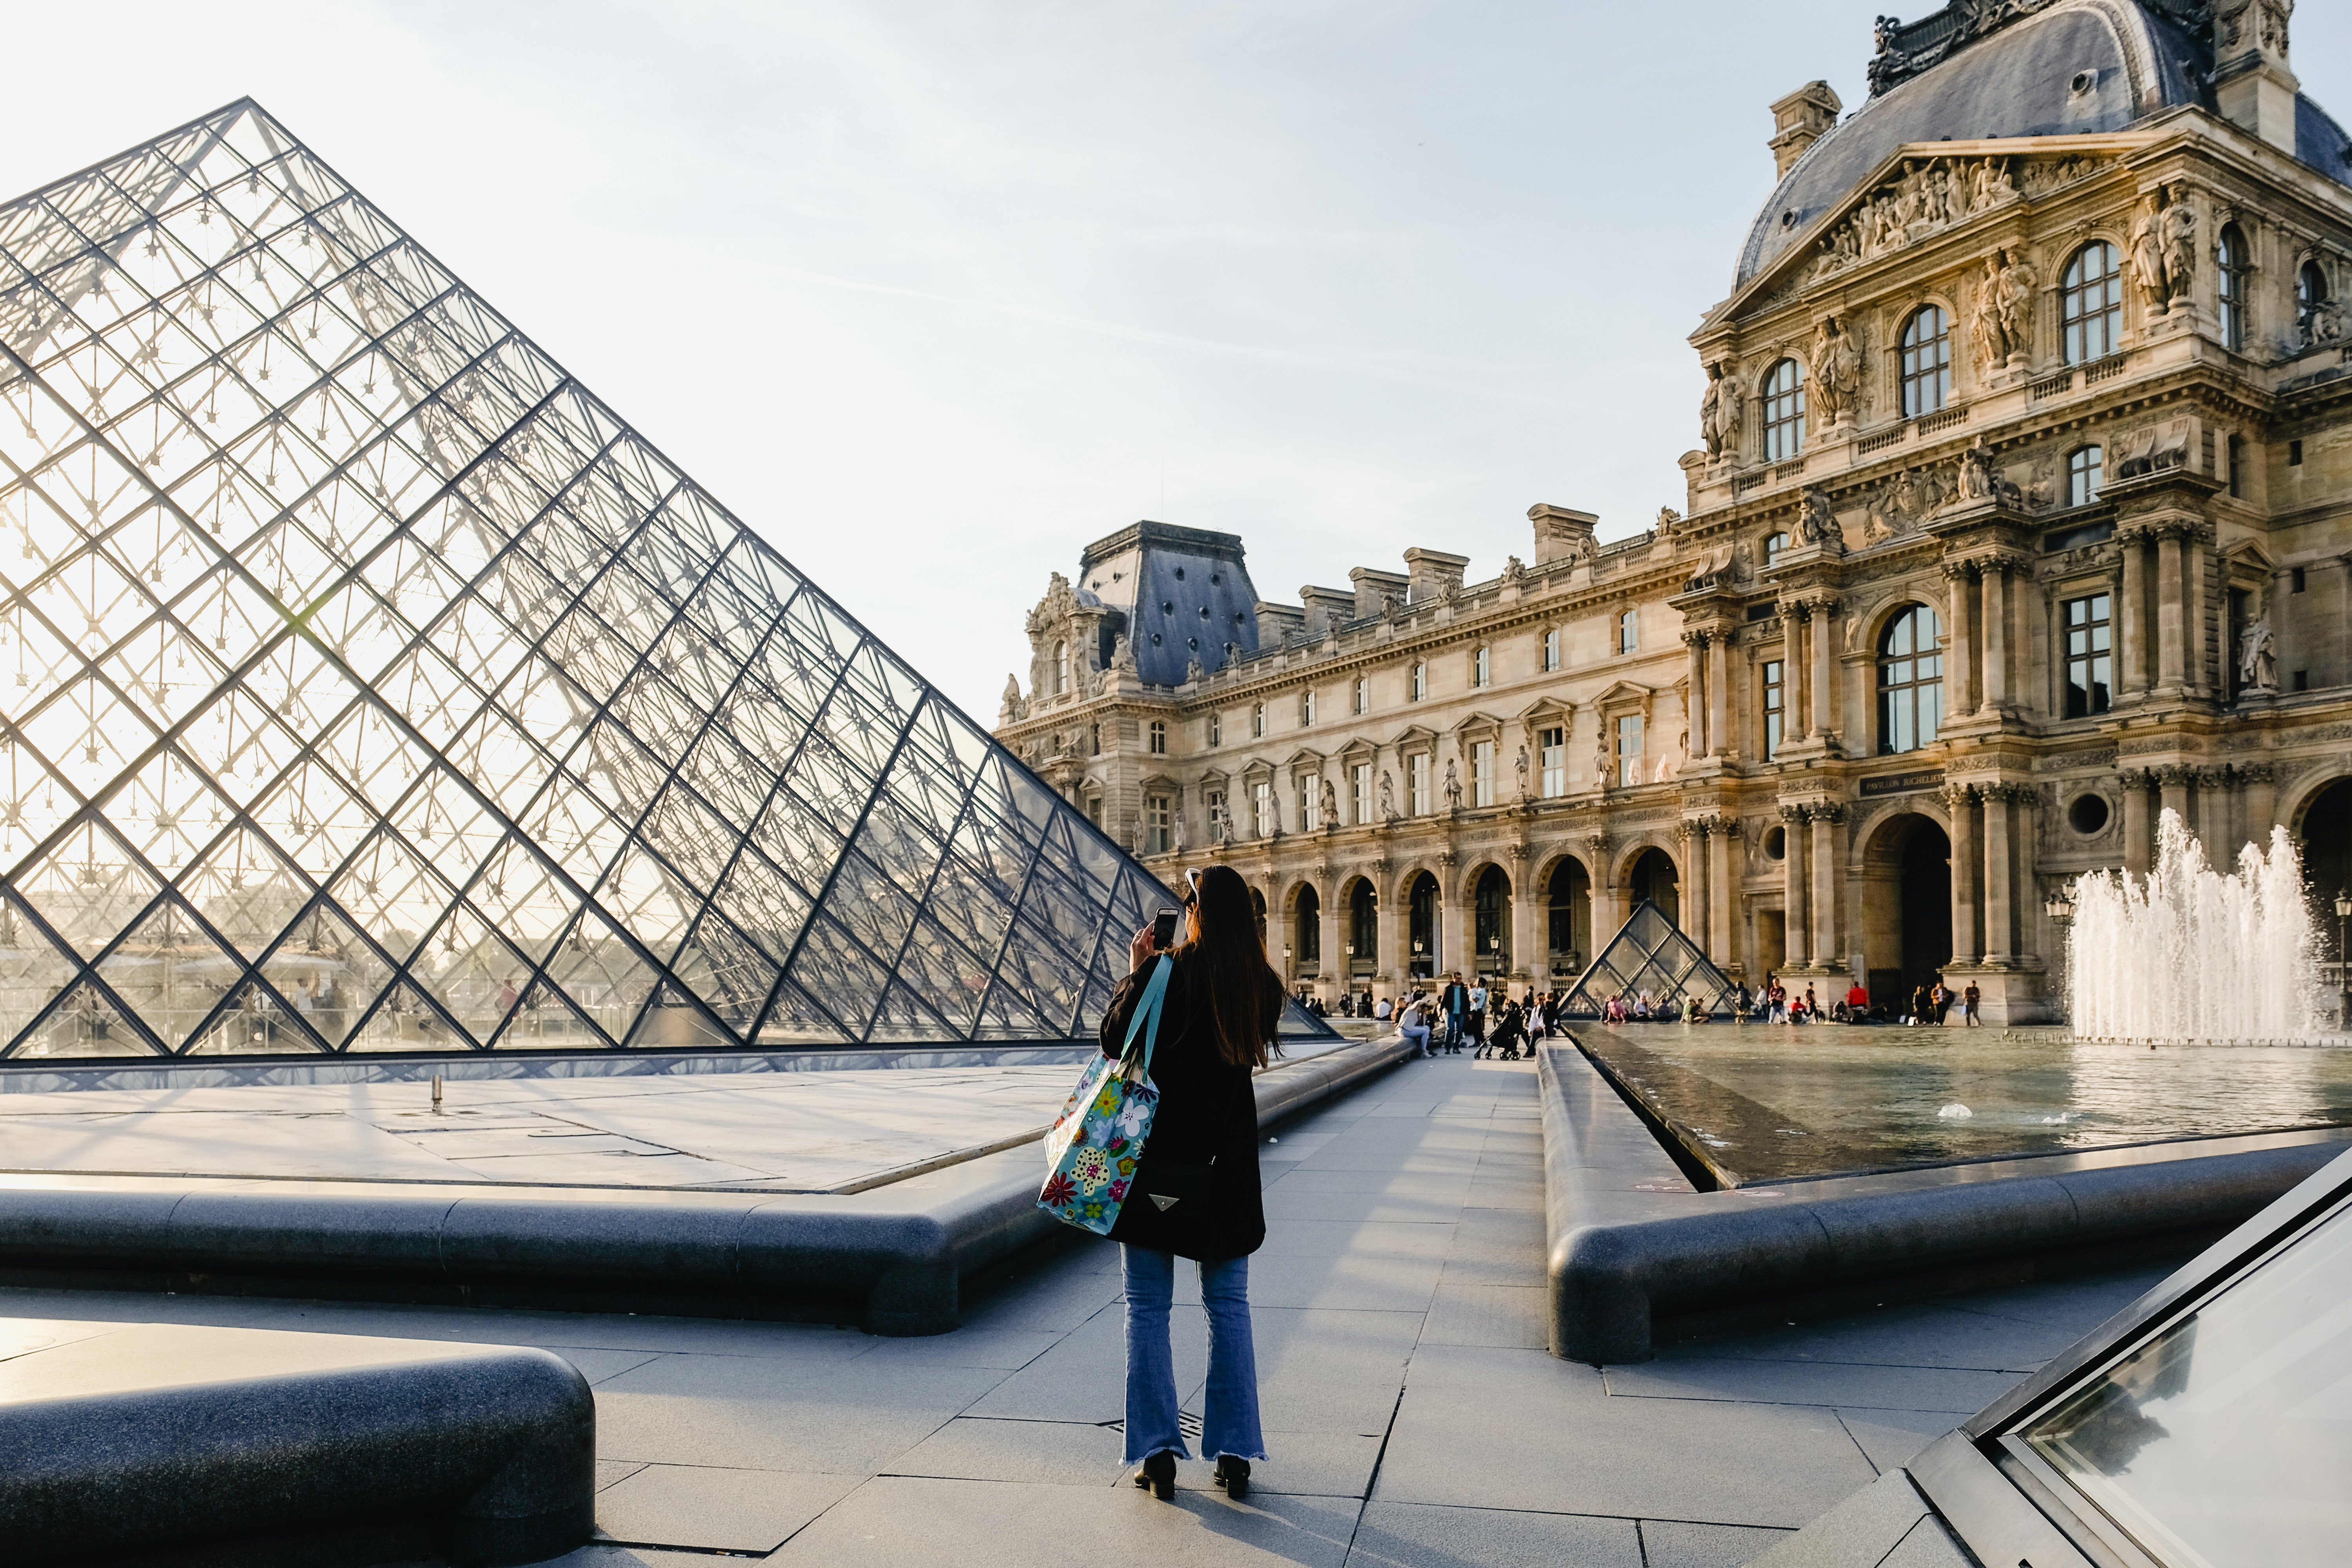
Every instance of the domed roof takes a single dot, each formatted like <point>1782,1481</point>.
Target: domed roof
<point>2080,67</point>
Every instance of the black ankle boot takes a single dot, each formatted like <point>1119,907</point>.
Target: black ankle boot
<point>1234,1476</point>
<point>1159,1473</point>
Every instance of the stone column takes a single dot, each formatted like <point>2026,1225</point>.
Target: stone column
<point>1702,740</point>
<point>2140,825</point>
<point>1696,905</point>
<point>1996,635</point>
<point>1607,916</point>
<point>2214,799</point>
<point>1720,740</point>
<point>1528,941</point>
<point>1792,872</point>
<point>1823,684</point>
<point>1960,673</point>
<point>2196,583</point>
<point>1461,926</point>
<point>1719,832</point>
<point>2171,611</point>
<point>1961,801</point>
<point>2261,780</point>
<point>1792,671</point>
<point>2131,639</point>
<point>1333,936</point>
<point>2000,919</point>
<point>1827,822</point>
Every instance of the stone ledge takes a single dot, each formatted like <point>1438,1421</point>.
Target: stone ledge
<point>891,1259</point>
<point>149,1442</point>
<point>1626,1249</point>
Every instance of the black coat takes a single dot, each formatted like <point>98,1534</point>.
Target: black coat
<point>1203,1139</point>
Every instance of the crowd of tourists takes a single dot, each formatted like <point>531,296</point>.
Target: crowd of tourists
<point>1452,1013</point>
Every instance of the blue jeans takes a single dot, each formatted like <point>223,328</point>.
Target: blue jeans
<point>1416,1035</point>
<point>1229,1424</point>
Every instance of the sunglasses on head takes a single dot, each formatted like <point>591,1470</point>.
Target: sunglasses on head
<point>1192,883</point>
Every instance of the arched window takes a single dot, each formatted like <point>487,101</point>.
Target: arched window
<point>1773,544</point>
<point>2083,466</point>
<point>2091,303</point>
<point>1926,362</point>
<point>1784,411</point>
<point>1482,667</point>
<point>1910,680</point>
<point>1061,668</point>
<point>1419,681</point>
<point>1306,708</point>
<point>1551,649</point>
<point>1363,694</point>
<point>2310,293</point>
<point>2230,255</point>
<point>1257,720</point>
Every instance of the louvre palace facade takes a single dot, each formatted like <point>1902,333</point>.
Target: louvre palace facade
<point>2018,517</point>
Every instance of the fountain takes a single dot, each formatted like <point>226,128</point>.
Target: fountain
<point>2192,954</point>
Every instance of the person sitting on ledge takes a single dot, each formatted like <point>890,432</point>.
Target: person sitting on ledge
<point>1695,1013</point>
<point>1858,1004</point>
<point>1614,1012</point>
<point>1643,1012</point>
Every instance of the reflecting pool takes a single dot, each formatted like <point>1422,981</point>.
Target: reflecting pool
<point>1760,1102</point>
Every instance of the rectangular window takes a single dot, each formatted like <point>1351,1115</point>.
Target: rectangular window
<point>1629,632</point>
<point>1481,669</point>
<point>1310,809</point>
<point>1551,650</point>
<point>1482,773</point>
<point>1263,794</point>
<point>1629,751</point>
<point>2238,467</point>
<point>1214,800</point>
<point>1416,788</point>
<point>1160,737</point>
<point>1257,721</point>
<point>1306,708</point>
<point>2295,580</point>
<point>1093,810</point>
<point>2303,681</point>
<point>1359,782</point>
<point>1216,729</point>
<point>1772,709</point>
<point>2089,656</point>
<point>1363,694</point>
<point>1157,829</point>
<point>2295,454</point>
<point>1552,743</point>
<point>1419,681</point>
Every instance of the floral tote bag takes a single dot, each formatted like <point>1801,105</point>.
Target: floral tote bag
<point>1093,1146</point>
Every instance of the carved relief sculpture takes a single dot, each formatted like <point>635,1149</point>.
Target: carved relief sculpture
<point>1328,798</point>
<point>1719,413</point>
<point>1388,798</point>
<point>1817,522</point>
<point>2179,230</point>
<point>1836,371</point>
<point>1924,198</point>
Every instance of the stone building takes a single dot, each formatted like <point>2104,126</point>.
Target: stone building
<point>2020,518</point>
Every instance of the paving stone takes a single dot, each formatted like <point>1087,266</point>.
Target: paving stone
<point>714,1508</point>
<point>1676,1543</point>
<point>1510,1316</point>
<point>981,1448</point>
<point>1686,1377</point>
<point>1857,1533</point>
<point>1412,1535</point>
<point>894,1521</point>
<point>1891,1437</point>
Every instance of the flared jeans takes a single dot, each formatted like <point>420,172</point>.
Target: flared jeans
<point>1229,1420</point>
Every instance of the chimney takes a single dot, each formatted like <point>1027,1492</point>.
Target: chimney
<point>1373,587</point>
<point>1800,119</point>
<point>1429,573</point>
<point>1326,607</point>
<point>2253,85</point>
<point>1561,532</point>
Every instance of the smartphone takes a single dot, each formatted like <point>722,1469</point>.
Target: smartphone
<point>1163,930</point>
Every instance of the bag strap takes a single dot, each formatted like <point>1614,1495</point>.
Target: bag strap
<point>1146,1017</point>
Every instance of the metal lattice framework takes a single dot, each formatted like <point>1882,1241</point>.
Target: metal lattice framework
<point>1649,953</point>
<point>367,685</point>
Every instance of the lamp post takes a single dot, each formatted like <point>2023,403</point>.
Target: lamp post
<point>1495,951</point>
<point>2343,970</point>
<point>2060,907</point>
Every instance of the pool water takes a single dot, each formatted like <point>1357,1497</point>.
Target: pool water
<point>1760,1102</point>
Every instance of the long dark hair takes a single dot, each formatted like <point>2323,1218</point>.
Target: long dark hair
<point>1221,963</point>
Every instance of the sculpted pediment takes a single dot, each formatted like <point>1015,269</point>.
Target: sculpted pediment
<point>1922,190</point>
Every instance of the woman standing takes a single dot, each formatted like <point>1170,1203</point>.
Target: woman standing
<point>1195,1192</point>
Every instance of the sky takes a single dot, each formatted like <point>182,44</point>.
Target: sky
<point>931,295</point>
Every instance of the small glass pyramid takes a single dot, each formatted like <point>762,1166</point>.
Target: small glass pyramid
<point>1649,953</point>
<point>367,685</point>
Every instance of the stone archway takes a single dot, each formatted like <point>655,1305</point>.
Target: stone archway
<point>1568,918</point>
<point>1653,876</point>
<point>1490,935</point>
<point>1906,907</point>
<point>1421,935</point>
<point>1303,934</point>
<point>1359,930</point>
<point>2325,834</point>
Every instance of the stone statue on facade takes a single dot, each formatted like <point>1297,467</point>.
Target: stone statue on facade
<point>2144,255</point>
<point>1388,798</point>
<point>1011,710</point>
<point>2257,664</point>
<point>1837,372</point>
<point>1452,787</point>
<point>1600,761</point>
<point>1977,482</point>
<point>1817,522</point>
<point>2003,319</point>
<point>1522,765</point>
<point>1194,672</point>
<point>1514,569</point>
<point>1328,798</point>
<point>1719,413</point>
<point>2179,230</point>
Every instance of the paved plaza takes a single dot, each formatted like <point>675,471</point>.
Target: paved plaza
<point>1413,1414</point>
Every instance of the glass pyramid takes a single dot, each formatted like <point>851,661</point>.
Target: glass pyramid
<point>367,685</point>
<point>1649,953</point>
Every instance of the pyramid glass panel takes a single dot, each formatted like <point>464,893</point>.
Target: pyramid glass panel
<point>1649,954</point>
<point>367,685</point>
